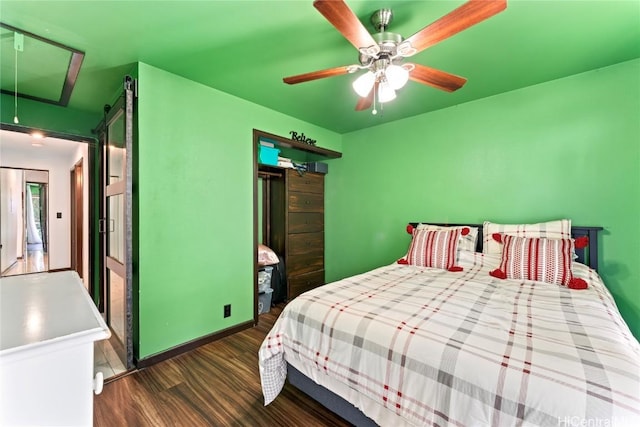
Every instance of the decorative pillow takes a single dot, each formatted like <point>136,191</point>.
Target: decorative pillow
<point>559,229</point>
<point>431,248</point>
<point>540,259</point>
<point>467,241</point>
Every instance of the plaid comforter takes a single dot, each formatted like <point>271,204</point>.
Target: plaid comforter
<point>465,349</point>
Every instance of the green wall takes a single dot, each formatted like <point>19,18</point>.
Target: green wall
<point>48,116</point>
<point>195,206</point>
<point>567,148</point>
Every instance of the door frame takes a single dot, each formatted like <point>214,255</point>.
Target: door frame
<point>77,217</point>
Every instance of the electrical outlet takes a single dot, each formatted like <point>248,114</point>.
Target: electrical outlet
<point>227,310</point>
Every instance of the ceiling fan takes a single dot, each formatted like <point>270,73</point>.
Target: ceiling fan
<point>382,53</point>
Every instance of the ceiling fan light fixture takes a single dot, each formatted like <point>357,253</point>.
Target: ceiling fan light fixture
<point>363,84</point>
<point>397,76</point>
<point>385,93</point>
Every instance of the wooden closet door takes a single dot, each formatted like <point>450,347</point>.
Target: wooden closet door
<point>305,231</point>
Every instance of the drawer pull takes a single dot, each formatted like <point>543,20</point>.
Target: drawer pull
<point>307,182</point>
<point>307,202</point>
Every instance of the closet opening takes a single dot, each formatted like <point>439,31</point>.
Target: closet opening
<point>288,216</point>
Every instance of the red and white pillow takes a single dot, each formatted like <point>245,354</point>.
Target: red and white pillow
<point>434,248</point>
<point>540,259</point>
<point>467,241</point>
<point>558,229</point>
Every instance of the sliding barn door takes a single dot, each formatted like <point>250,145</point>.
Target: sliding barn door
<point>116,224</point>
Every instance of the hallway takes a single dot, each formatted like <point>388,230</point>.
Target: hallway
<point>35,261</point>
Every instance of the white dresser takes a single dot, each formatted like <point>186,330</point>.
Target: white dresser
<point>48,325</point>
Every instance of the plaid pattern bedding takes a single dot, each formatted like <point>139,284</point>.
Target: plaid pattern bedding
<point>465,349</point>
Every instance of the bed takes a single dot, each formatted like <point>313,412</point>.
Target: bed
<point>408,344</point>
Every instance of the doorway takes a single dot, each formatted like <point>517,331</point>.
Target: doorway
<point>24,221</point>
<point>44,159</point>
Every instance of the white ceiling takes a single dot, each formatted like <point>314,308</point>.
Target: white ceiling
<point>23,142</point>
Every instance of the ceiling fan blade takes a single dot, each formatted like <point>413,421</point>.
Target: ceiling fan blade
<point>467,15</point>
<point>436,78</point>
<point>345,21</point>
<point>315,75</point>
<point>365,103</point>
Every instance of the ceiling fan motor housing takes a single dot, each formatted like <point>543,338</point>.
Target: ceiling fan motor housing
<point>381,19</point>
<point>386,40</point>
<point>388,43</point>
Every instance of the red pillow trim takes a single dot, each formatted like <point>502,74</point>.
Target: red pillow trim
<point>497,237</point>
<point>409,228</point>
<point>582,242</point>
<point>577,283</point>
<point>498,273</point>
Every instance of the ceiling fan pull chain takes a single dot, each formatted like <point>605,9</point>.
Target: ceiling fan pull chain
<point>375,98</point>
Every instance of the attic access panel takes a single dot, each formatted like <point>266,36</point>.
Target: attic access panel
<point>47,70</point>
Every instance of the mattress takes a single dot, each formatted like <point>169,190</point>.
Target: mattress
<point>421,346</point>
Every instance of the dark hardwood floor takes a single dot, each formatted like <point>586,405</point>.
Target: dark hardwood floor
<point>214,385</point>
